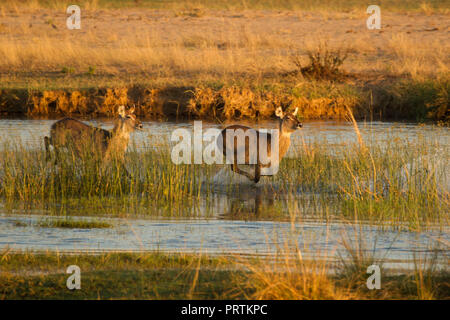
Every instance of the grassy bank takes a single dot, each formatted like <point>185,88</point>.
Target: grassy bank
<point>425,100</point>
<point>113,276</point>
<point>323,101</point>
<point>178,276</point>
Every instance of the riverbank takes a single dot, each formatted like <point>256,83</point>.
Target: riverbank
<point>226,62</point>
<point>29,275</point>
<point>426,100</point>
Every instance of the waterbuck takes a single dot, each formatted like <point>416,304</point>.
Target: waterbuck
<point>248,150</point>
<point>88,141</point>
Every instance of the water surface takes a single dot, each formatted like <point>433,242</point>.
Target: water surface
<point>236,224</point>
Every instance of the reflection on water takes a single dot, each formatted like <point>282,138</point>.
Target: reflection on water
<point>248,204</point>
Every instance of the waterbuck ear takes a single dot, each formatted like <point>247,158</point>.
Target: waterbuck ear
<point>121,111</point>
<point>132,109</point>
<point>279,113</point>
<point>295,111</point>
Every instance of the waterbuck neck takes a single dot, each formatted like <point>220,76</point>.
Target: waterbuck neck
<point>284,140</point>
<point>118,142</point>
<point>120,131</point>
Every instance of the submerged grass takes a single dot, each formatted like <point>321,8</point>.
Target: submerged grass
<point>74,223</point>
<point>153,179</point>
<point>391,182</point>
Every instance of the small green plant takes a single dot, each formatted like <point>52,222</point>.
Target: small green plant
<point>324,64</point>
<point>67,70</point>
<point>91,70</point>
<point>72,223</point>
<point>20,224</point>
<point>193,13</point>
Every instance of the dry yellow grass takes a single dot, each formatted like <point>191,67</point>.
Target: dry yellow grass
<point>289,277</point>
<point>244,58</point>
<point>323,6</point>
<point>418,59</point>
<point>221,45</point>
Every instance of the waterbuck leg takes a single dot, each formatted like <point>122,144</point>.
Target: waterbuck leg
<point>122,165</point>
<point>257,173</point>
<point>47,148</point>
<point>57,155</point>
<point>235,168</point>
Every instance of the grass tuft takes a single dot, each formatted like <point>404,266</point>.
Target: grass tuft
<point>324,64</point>
<point>72,223</point>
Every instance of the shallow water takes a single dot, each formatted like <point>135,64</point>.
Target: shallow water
<point>316,239</point>
<point>332,133</point>
<point>226,230</point>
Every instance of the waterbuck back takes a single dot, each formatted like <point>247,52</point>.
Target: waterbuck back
<point>85,140</point>
<point>79,137</point>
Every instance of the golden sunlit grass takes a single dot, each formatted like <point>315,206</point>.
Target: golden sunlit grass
<point>417,60</point>
<point>202,56</point>
<point>224,58</point>
<point>195,57</point>
<point>115,275</point>
<point>147,44</point>
<point>197,5</point>
<point>288,276</point>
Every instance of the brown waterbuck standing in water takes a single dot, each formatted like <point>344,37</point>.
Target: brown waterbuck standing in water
<point>88,141</point>
<point>248,150</point>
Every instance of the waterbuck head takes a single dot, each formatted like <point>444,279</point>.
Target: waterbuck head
<point>128,119</point>
<point>289,121</point>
